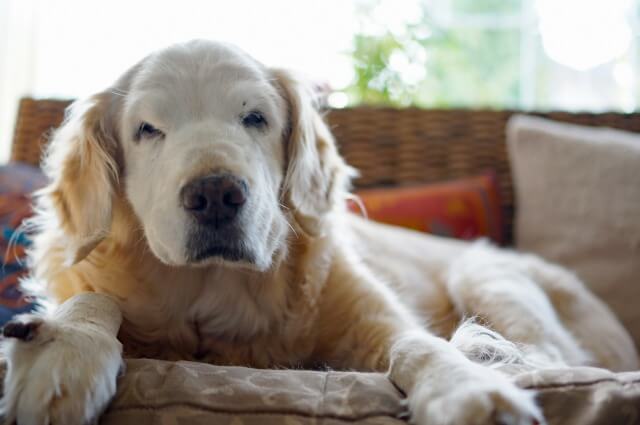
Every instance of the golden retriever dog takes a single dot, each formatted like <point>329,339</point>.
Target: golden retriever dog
<point>196,210</point>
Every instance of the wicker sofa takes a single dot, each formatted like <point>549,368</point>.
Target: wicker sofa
<point>390,147</point>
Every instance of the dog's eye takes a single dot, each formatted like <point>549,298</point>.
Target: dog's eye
<point>254,119</point>
<point>147,131</point>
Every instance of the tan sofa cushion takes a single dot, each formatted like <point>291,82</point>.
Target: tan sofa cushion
<point>586,396</point>
<point>578,204</point>
<point>198,393</point>
<point>155,391</point>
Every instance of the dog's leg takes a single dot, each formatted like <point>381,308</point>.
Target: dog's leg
<point>586,317</point>
<point>444,387</point>
<point>363,326</point>
<point>498,288</point>
<point>62,368</point>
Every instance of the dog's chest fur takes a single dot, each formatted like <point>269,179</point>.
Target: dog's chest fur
<point>219,315</point>
<point>223,322</point>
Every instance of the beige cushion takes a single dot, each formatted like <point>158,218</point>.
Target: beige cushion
<point>578,204</point>
<point>163,392</point>
<point>155,391</point>
<point>585,396</point>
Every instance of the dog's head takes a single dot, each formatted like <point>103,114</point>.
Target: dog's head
<point>216,155</point>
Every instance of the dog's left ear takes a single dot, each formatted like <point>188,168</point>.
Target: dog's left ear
<point>316,177</point>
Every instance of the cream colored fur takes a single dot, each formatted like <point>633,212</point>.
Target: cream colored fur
<point>320,287</point>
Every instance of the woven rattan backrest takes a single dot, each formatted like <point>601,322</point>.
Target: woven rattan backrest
<point>390,147</point>
<point>394,147</point>
<point>36,118</point>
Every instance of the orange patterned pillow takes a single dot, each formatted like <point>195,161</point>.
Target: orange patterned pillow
<point>465,209</point>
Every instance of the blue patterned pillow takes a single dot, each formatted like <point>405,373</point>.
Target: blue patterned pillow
<point>17,183</point>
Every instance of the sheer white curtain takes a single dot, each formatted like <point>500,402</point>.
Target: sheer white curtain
<point>71,48</point>
<point>16,63</point>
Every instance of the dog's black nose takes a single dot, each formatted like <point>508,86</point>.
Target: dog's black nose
<point>214,199</point>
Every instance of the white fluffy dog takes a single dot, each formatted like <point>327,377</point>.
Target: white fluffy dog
<point>196,211</point>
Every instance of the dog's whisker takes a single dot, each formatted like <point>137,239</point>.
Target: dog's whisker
<point>118,92</point>
<point>292,229</point>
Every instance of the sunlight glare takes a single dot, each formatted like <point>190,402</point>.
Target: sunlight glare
<point>583,34</point>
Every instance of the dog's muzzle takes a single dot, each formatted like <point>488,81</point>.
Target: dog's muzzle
<point>215,203</point>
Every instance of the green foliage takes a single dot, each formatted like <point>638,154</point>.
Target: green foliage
<point>374,82</point>
<point>432,65</point>
<point>487,6</point>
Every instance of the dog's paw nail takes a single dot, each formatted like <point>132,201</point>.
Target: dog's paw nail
<point>24,331</point>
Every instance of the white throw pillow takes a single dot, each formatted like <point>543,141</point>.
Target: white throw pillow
<point>578,204</point>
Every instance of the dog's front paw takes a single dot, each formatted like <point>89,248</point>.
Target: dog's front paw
<point>58,371</point>
<point>488,398</point>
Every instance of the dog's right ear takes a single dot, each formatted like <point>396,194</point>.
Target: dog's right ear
<point>81,162</point>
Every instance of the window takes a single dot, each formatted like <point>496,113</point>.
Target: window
<point>530,54</point>
<point>527,54</point>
